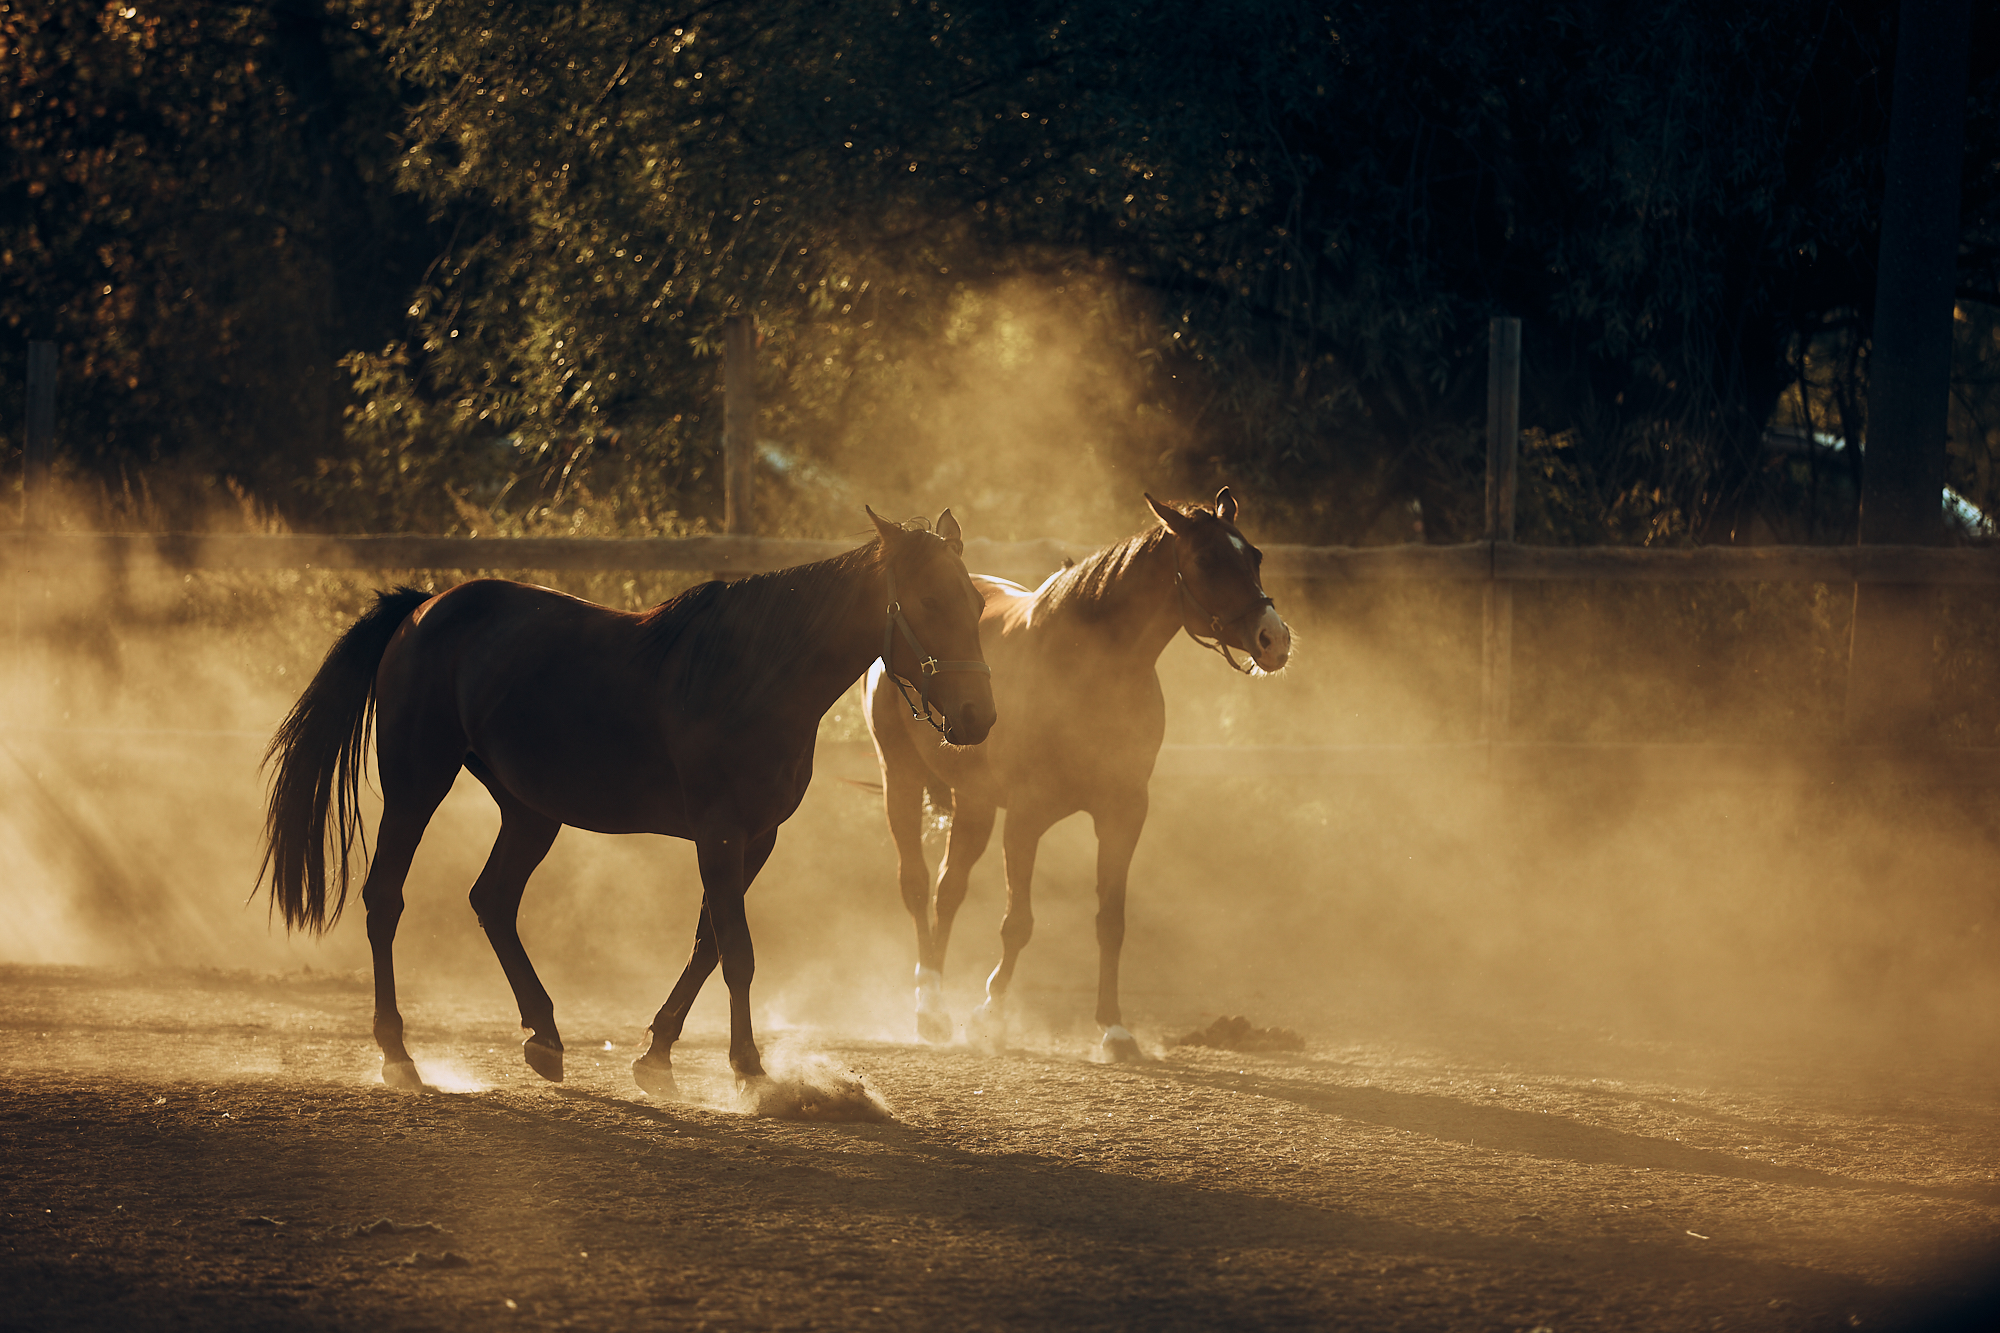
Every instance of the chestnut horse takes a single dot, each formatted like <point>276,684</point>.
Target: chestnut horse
<point>1085,716</point>
<point>695,719</point>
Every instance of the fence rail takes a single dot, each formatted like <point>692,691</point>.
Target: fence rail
<point>1499,564</point>
<point>1516,762</point>
<point>1512,762</point>
<point>1508,562</point>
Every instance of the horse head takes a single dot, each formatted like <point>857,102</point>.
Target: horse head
<point>931,636</point>
<point>1216,576</point>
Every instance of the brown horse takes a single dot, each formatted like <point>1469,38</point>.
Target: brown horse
<point>695,719</point>
<point>1085,716</point>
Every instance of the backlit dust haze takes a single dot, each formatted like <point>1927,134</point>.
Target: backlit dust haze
<point>135,704</point>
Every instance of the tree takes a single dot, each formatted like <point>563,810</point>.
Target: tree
<point>1253,241</point>
<point>1304,219</point>
<point>193,205</point>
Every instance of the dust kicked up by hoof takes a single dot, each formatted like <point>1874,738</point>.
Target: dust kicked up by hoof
<point>812,1089</point>
<point>1120,1047</point>
<point>933,1019</point>
<point>544,1059</point>
<point>402,1075</point>
<point>655,1080</point>
<point>986,1027</point>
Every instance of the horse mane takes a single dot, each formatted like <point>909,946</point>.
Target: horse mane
<point>749,633</point>
<point>1083,590</point>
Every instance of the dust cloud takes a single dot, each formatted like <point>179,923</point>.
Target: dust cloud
<point>1023,415</point>
<point>138,700</point>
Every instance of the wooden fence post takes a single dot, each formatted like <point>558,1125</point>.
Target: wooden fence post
<point>739,422</point>
<point>1503,421</point>
<point>1889,696</point>
<point>38,440</point>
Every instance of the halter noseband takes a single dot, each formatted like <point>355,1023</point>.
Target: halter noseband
<point>1216,624</point>
<point>927,666</point>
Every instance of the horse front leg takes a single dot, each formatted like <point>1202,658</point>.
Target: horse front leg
<point>972,813</point>
<point>724,863</point>
<point>903,802</point>
<point>1018,845</point>
<point>1118,827</point>
<point>654,1071</point>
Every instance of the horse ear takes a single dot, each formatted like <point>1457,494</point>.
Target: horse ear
<point>1225,505</point>
<point>890,532</point>
<point>947,528</point>
<point>1176,521</point>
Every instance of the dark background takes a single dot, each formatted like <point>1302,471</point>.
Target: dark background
<point>463,266</point>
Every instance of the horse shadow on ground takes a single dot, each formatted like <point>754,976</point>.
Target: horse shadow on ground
<point>900,1179</point>
<point>1545,1135</point>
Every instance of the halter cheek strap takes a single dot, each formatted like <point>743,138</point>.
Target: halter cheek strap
<point>1216,624</point>
<point>927,666</point>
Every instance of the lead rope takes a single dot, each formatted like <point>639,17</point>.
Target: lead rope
<point>927,666</point>
<point>1216,624</point>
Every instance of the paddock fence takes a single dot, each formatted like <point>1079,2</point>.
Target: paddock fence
<point>1499,565</point>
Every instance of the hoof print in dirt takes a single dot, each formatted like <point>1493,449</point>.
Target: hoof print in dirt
<point>543,1058</point>
<point>655,1081</point>
<point>1237,1034</point>
<point>402,1075</point>
<point>418,1259</point>
<point>384,1226</point>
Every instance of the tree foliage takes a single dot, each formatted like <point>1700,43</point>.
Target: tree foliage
<point>1255,242</point>
<point>192,205</point>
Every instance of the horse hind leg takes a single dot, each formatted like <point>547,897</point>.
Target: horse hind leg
<point>405,815</point>
<point>525,838</point>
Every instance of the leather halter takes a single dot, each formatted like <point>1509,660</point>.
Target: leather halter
<point>927,666</point>
<point>1216,624</point>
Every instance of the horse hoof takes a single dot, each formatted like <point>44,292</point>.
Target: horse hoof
<point>1120,1047</point>
<point>655,1080</point>
<point>543,1059</point>
<point>402,1074</point>
<point>986,1026</point>
<point>934,1027</point>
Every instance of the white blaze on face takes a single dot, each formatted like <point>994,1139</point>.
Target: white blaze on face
<point>1270,640</point>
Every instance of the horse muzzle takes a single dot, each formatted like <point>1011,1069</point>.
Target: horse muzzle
<point>970,722</point>
<point>1268,640</point>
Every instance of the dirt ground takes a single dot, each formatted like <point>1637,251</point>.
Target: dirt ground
<point>196,1150</point>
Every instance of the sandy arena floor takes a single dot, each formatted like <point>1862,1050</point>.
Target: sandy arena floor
<point>205,1152</point>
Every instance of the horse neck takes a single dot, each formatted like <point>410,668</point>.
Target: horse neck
<point>845,653</point>
<point>1140,607</point>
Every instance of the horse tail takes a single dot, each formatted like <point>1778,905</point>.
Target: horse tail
<point>320,751</point>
